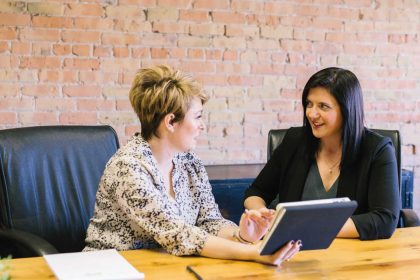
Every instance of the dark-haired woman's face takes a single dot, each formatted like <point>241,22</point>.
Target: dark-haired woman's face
<point>324,114</point>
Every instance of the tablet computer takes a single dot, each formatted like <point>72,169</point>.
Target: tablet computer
<point>315,222</point>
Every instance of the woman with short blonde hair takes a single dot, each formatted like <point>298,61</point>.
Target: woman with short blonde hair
<point>155,191</point>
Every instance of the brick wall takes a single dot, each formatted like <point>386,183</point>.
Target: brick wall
<point>72,62</point>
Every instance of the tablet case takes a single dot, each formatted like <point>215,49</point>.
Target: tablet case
<point>316,225</point>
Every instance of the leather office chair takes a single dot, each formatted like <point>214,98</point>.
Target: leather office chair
<point>408,218</point>
<point>49,176</point>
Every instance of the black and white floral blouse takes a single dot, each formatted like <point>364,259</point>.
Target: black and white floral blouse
<point>133,209</point>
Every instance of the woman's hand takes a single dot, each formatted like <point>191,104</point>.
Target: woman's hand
<point>255,223</point>
<point>285,253</point>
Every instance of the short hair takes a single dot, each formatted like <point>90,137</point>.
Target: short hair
<point>346,89</point>
<point>160,90</point>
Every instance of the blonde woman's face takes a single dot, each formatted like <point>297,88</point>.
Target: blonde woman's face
<point>189,129</point>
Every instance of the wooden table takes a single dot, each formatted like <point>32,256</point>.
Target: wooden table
<point>395,258</point>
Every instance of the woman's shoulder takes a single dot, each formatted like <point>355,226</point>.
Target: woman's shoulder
<point>135,152</point>
<point>189,158</point>
<point>374,142</point>
<point>373,138</point>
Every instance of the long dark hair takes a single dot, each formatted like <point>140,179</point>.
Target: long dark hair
<point>346,89</point>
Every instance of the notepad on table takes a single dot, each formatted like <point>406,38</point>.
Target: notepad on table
<point>105,264</point>
<point>315,222</point>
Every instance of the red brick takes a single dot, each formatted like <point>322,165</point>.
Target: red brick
<point>8,75</point>
<point>214,54</point>
<point>132,25</point>
<point>81,36</point>
<point>54,104</point>
<point>211,4</point>
<point>68,76</point>
<point>140,52</point>
<point>344,13</point>
<point>230,43</point>
<point>279,8</point>
<point>340,37</point>
<point>81,63</point>
<point>117,119</point>
<point>4,46</point>
<point>82,91</point>
<point>41,49</point>
<point>40,90</point>
<point>298,46</point>
<point>38,34</point>
<point>8,118</point>
<point>14,19</point>
<point>95,105</point>
<point>81,50</point>
<point>91,77</point>
<point>162,14</point>
<point>120,39</point>
<point>61,49</point>
<point>37,118</point>
<point>198,67</point>
<point>52,22</point>
<point>78,118</point>
<point>196,53</point>
<point>193,41</point>
<point>121,52</point>
<point>207,29</point>
<point>8,89</point>
<point>78,10</point>
<point>12,6</point>
<point>231,67</point>
<point>124,11</point>
<point>21,48</point>
<point>245,80</point>
<point>159,53</point>
<point>228,17</point>
<point>170,27</point>
<point>8,33</point>
<point>102,51</point>
<point>121,64</point>
<point>40,62</point>
<point>193,15</point>
<point>49,9</point>
<point>16,104</point>
<point>174,3</point>
<point>230,55</point>
<point>124,105</point>
<point>248,6</point>
<point>48,76</point>
<point>28,76</point>
<point>141,3</point>
<point>93,23</point>
<point>212,79</point>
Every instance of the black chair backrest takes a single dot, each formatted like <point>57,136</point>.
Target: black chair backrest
<point>275,137</point>
<point>49,176</point>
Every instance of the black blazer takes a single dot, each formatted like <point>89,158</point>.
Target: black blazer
<point>372,181</point>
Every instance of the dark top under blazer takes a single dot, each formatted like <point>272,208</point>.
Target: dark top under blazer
<point>372,181</point>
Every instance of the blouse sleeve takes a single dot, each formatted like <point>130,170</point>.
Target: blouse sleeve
<point>138,197</point>
<point>383,198</point>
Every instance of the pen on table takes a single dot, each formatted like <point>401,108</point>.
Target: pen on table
<point>190,269</point>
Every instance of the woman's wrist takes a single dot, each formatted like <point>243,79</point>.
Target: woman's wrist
<point>237,236</point>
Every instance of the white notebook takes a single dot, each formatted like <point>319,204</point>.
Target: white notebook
<point>104,264</point>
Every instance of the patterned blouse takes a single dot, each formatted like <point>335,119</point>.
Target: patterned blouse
<point>133,209</point>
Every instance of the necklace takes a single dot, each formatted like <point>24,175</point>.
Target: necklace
<point>330,169</point>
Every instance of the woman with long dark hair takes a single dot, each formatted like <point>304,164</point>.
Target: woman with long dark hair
<point>334,155</point>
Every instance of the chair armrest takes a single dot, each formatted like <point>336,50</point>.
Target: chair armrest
<point>409,218</point>
<point>26,244</point>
